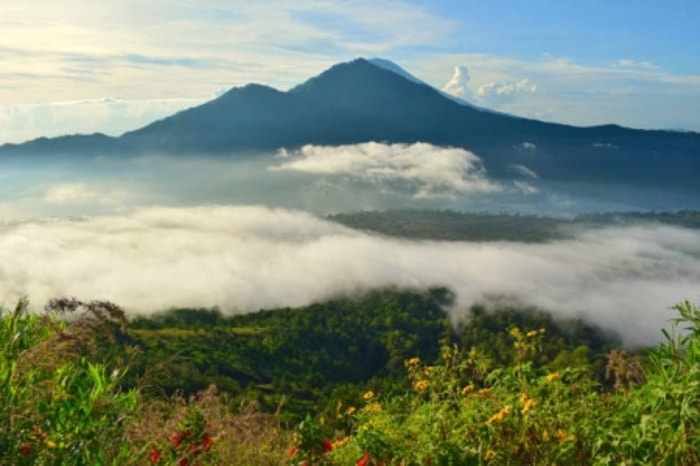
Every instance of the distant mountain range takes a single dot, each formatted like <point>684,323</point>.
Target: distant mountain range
<point>375,100</point>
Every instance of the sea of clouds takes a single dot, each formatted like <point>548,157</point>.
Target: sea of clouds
<point>244,258</point>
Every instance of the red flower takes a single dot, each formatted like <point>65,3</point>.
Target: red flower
<point>184,462</point>
<point>292,451</point>
<point>327,446</point>
<point>154,455</point>
<point>176,439</point>
<point>207,442</point>
<point>26,450</point>
<point>365,460</point>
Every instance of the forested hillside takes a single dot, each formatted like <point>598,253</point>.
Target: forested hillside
<point>382,378</point>
<point>450,225</point>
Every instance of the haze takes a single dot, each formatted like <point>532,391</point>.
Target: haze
<point>151,233</point>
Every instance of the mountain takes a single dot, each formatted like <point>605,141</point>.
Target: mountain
<point>376,100</point>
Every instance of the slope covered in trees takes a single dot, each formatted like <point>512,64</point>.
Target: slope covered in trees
<point>506,388</point>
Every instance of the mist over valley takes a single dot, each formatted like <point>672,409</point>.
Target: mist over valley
<point>230,205</point>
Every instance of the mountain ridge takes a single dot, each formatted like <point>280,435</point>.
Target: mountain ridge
<point>360,101</point>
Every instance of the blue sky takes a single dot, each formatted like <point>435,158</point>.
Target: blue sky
<point>80,66</point>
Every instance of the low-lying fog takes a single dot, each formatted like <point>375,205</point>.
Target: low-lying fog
<point>152,232</point>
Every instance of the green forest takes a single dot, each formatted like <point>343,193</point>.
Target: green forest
<point>448,225</point>
<point>383,378</point>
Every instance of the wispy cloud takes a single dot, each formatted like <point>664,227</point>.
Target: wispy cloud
<point>434,171</point>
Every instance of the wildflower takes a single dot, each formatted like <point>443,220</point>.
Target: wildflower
<point>207,442</point>
<point>468,389</point>
<point>176,438</point>
<point>351,410</point>
<point>562,436</point>
<point>489,454</point>
<point>522,398</point>
<point>327,446</point>
<point>411,362</point>
<point>374,407</point>
<point>51,444</point>
<point>529,404</point>
<point>515,332</point>
<point>499,415</point>
<point>341,442</point>
<point>532,333</point>
<point>25,450</point>
<point>184,462</point>
<point>542,331</point>
<point>421,385</point>
<point>292,451</point>
<point>154,455</point>
<point>369,395</point>
<point>553,376</point>
<point>365,460</point>
<point>484,391</point>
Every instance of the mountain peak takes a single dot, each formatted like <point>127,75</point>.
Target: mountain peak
<point>394,68</point>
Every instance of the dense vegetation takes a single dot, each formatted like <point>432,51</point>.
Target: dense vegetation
<point>314,356</point>
<point>467,226</point>
<point>379,380</point>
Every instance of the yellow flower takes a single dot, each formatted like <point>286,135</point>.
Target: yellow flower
<point>411,362</point>
<point>421,385</point>
<point>351,410</point>
<point>343,441</point>
<point>522,398</point>
<point>562,436</point>
<point>553,376</point>
<point>51,444</point>
<point>532,333</point>
<point>369,395</point>
<point>529,404</point>
<point>468,389</point>
<point>514,332</point>
<point>499,415</point>
<point>374,407</point>
<point>489,454</point>
<point>543,330</point>
<point>484,391</point>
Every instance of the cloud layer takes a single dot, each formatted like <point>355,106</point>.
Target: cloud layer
<point>246,258</point>
<point>435,171</point>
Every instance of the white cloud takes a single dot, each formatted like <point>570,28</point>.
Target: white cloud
<point>638,94</point>
<point>23,122</point>
<point>246,258</point>
<point>497,93</point>
<point>458,85</point>
<point>523,170</point>
<point>435,171</point>
<point>69,193</point>
<point>525,188</point>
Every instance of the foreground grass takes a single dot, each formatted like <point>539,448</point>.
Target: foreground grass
<point>63,402</point>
